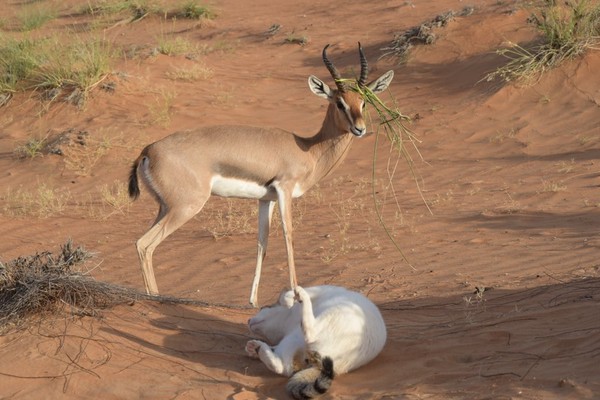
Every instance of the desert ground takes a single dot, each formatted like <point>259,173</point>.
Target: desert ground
<point>495,294</point>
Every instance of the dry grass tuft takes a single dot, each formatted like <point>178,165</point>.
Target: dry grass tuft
<point>36,287</point>
<point>44,283</point>
<point>421,34</point>
<point>568,30</point>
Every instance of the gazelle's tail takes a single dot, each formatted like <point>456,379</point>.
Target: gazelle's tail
<point>313,381</point>
<point>134,187</point>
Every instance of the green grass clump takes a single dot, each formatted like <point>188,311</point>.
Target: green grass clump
<point>192,10</point>
<point>77,66</point>
<point>105,7</point>
<point>32,148</point>
<point>31,18</point>
<point>52,67</point>
<point>138,8</point>
<point>175,46</point>
<point>18,60</point>
<point>568,30</point>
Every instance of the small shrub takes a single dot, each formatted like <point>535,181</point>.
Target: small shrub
<point>160,110</point>
<point>422,34</point>
<point>116,197</point>
<point>175,47</point>
<point>553,187</point>
<point>31,149</point>
<point>43,202</point>
<point>568,29</point>
<point>47,284</point>
<point>297,39</point>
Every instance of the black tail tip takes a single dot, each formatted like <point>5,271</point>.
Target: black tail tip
<point>327,367</point>
<point>134,189</point>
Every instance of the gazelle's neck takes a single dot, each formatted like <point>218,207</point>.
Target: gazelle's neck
<point>329,146</point>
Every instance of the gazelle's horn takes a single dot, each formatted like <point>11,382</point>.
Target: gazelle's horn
<point>364,67</point>
<point>335,74</point>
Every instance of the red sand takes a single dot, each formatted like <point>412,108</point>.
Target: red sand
<point>510,173</point>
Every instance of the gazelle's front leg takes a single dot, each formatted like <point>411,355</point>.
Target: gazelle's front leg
<point>284,196</point>
<point>265,213</point>
<point>308,316</point>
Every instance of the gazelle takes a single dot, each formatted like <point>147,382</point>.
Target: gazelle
<point>184,169</point>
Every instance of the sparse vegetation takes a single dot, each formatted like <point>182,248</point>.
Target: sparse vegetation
<point>17,62</point>
<point>422,34</point>
<point>297,39</point>
<point>42,202</point>
<point>229,217</point>
<point>159,111</point>
<point>553,187</point>
<point>36,287</point>
<point>55,69</point>
<point>116,196</point>
<point>35,16</point>
<point>189,74</point>
<point>565,167</point>
<point>176,46</point>
<point>475,304</point>
<point>74,69</point>
<point>138,9</point>
<point>106,7</point>
<point>43,284</point>
<point>500,137</point>
<point>192,10</point>
<point>222,46</point>
<point>81,155</point>
<point>568,29</point>
<point>31,148</point>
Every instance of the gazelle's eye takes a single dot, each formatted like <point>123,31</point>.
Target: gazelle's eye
<point>340,105</point>
<point>364,105</point>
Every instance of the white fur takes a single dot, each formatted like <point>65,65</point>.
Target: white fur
<point>231,187</point>
<point>331,320</point>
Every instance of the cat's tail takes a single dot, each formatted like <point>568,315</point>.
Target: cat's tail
<point>312,382</point>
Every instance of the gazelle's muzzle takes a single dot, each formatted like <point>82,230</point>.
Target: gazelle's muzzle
<point>358,131</point>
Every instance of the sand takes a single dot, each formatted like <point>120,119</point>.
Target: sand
<point>497,297</point>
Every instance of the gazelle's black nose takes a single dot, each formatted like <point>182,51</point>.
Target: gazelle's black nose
<point>358,131</point>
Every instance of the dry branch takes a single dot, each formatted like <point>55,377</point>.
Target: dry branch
<point>43,284</point>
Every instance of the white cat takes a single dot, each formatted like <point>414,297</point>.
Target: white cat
<point>329,331</point>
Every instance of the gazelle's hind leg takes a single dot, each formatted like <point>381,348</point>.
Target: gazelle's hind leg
<point>265,213</point>
<point>167,222</point>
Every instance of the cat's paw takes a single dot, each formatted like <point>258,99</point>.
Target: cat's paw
<point>253,347</point>
<point>287,299</point>
<point>300,294</point>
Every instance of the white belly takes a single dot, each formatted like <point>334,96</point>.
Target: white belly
<point>231,187</point>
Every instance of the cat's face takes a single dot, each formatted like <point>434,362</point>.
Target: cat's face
<point>277,320</point>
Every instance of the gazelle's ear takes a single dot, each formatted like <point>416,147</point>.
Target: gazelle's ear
<point>381,83</point>
<point>319,87</point>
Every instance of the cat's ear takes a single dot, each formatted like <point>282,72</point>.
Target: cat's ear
<point>286,298</point>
